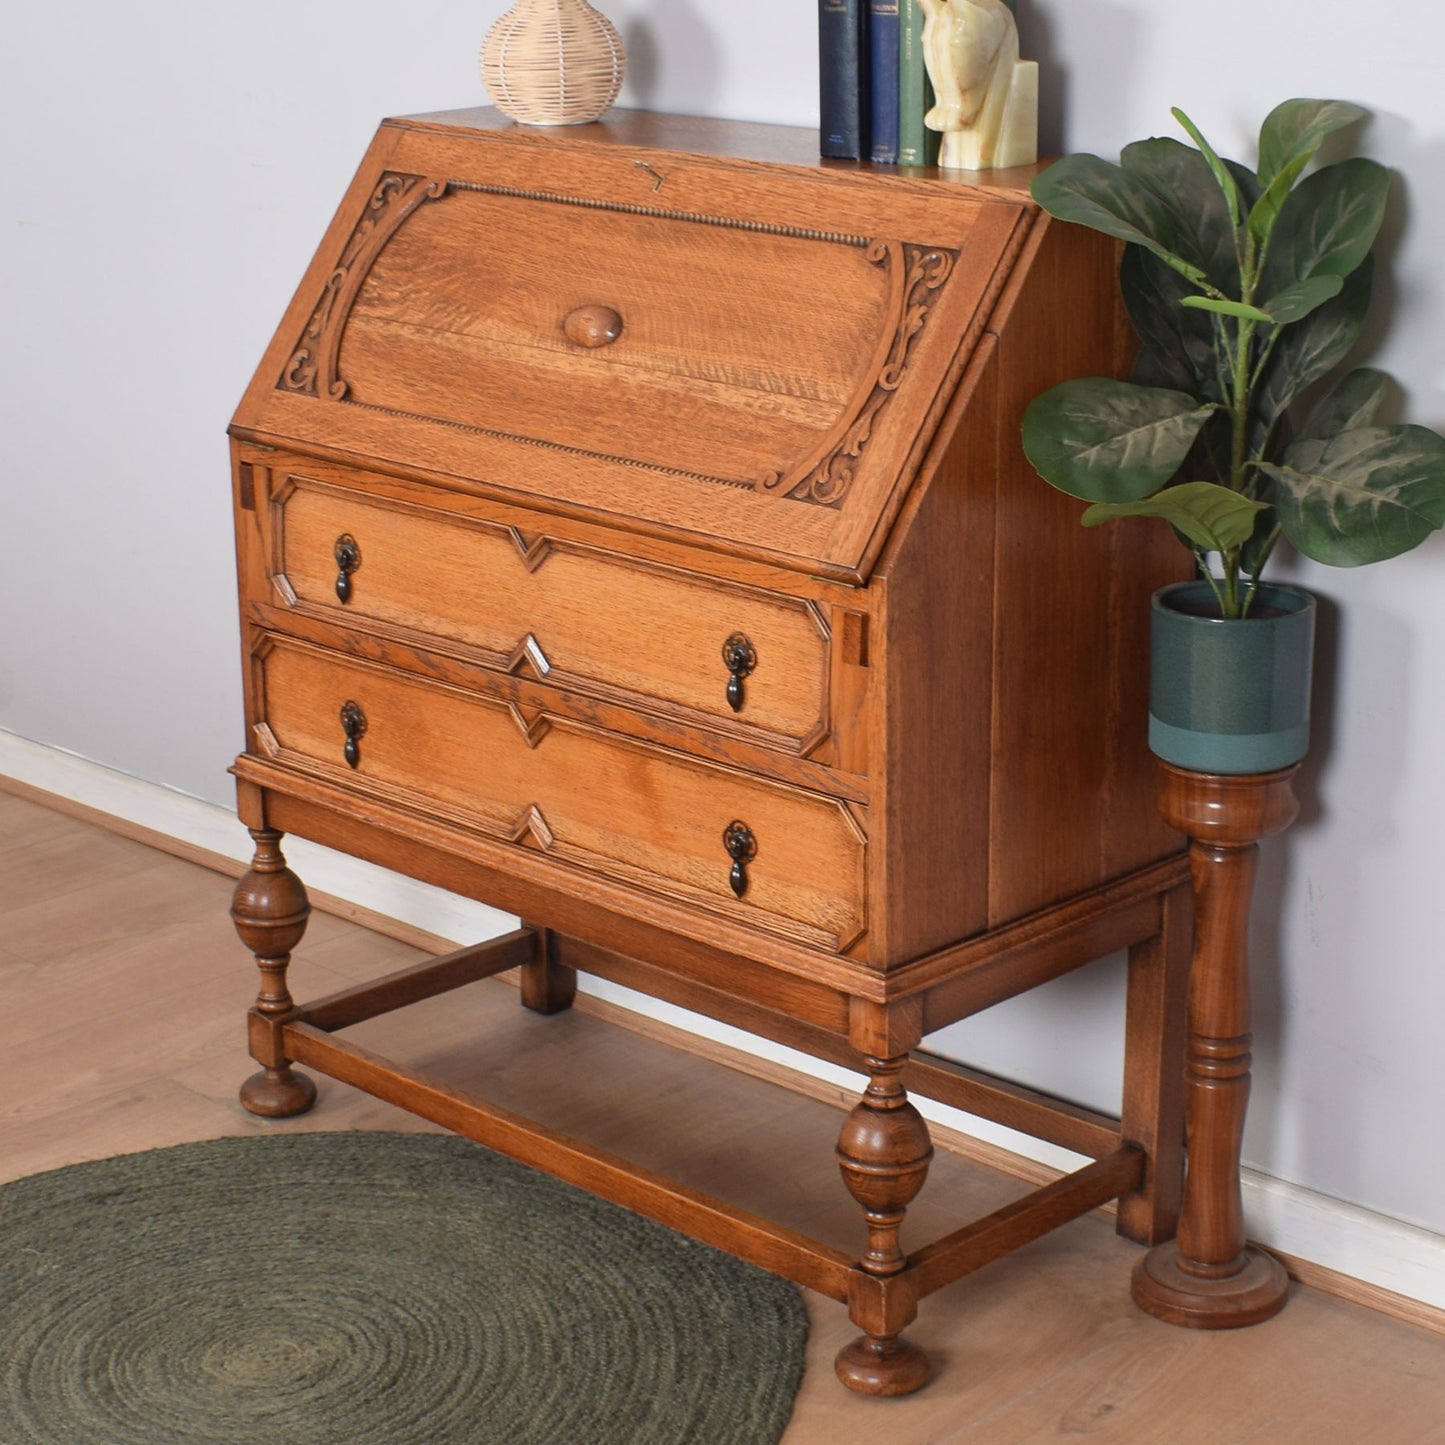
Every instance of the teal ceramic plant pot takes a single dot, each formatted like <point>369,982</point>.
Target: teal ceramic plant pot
<point>1230,697</point>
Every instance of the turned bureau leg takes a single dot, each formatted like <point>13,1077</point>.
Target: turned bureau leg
<point>884,1151</point>
<point>270,910</point>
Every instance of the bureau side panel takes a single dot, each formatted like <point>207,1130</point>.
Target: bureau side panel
<point>930,763</point>
<point>1071,785</point>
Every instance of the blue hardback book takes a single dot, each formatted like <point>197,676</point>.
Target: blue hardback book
<point>883,40</point>
<point>842,79</point>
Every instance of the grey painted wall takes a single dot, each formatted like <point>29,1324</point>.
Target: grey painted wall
<point>172,166</point>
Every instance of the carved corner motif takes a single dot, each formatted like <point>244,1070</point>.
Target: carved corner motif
<point>533,729</point>
<point>266,740</point>
<point>528,653</point>
<point>531,830</point>
<point>312,367</point>
<point>533,551</point>
<point>915,273</point>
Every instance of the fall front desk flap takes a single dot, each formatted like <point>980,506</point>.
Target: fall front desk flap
<point>604,322</point>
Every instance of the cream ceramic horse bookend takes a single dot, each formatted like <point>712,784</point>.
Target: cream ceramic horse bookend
<point>988,99</point>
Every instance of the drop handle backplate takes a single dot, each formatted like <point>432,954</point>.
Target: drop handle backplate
<point>740,658</point>
<point>742,848</point>
<point>353,724</point>
<point>348,559</point>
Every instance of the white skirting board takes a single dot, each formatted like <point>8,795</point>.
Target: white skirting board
<point>1288,1217</point>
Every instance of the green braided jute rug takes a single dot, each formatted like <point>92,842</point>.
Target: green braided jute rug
<point>372,1289</point>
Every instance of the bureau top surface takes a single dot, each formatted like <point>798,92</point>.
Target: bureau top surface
<point>683,327</point>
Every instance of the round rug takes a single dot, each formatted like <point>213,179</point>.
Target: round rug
<point>372,1289</point>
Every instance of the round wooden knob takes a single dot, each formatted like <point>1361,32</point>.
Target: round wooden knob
<point>592,326</point>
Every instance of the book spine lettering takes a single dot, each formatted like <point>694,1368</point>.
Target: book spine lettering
<point>842,79</point>
<point>883,41</point>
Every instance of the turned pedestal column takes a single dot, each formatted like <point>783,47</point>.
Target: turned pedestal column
<point>1209,1277</point>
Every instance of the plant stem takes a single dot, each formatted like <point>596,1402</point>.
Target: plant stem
<point>1239,406</point>
<point>1230,605</point>
<point>1201,560</point>
<point>1239,409</point>
<point>1259,567</point>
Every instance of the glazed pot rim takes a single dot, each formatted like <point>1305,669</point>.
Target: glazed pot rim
<point>1290,601</point>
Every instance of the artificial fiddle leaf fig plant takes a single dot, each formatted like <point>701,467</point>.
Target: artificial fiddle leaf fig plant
<point>1248,289</point>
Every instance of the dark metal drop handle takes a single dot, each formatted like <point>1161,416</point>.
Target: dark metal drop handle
<point>353,724</point>
<point>740,658</point>
<point>348,559</point>
<point>742,848</point>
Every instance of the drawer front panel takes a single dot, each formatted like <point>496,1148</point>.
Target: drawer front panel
<point>585,798</point>
<point>580,617</point>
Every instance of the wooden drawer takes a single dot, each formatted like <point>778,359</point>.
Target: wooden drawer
<point>584,798</point>
<point>582,618</point>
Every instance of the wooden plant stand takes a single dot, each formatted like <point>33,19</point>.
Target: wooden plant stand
<point>1209,1277</point>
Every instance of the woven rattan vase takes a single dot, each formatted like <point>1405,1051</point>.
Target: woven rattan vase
<point>553,62</point>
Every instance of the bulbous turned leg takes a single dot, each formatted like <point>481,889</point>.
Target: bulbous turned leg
<point>270,910</point>
<point>1210,1277</point>
<point>884,1151</point>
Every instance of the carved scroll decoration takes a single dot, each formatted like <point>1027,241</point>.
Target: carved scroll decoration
<point>915,272</point>
<point>311,371</point>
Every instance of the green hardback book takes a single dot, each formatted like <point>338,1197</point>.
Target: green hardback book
<point>917,145</point>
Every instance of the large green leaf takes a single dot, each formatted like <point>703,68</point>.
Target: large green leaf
<point>1291,134</point>
<point>1308,351</point>
<point>1354,402</point>
<point>1180,179</point>
<point>1178,343</point>
<point>1326,227</point>
<point>1091,192</point>
<point>1362,496</point>
<point>1295,129</point>
<point>1296,302</point>
<point>1213,518</point>
<point>1110,441</point>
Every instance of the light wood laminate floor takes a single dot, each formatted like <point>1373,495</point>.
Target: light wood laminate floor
<point>122,995</point>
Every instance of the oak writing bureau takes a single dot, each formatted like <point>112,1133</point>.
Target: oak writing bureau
<point>633,534</point>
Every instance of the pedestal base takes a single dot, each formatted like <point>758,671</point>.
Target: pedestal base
<point>1253,1293</point>
<point>883,1367</point>
<point>278,1093</point>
